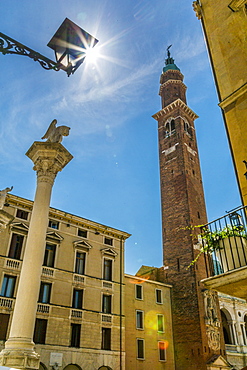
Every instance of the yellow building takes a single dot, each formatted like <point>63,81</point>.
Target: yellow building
<point>149,338</point>
<point>80,314</point>
<point>224,25</point>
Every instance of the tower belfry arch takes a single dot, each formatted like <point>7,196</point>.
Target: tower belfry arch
<point>196,336</point>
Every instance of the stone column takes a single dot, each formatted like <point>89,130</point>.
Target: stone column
<point>48,158</point>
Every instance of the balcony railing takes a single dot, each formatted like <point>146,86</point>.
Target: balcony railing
<point>225,242</point>
<point>7,303</point>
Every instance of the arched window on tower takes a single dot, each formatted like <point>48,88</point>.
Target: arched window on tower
<point>169,128</point>
<point>186,126</point>
<point>227,327</point>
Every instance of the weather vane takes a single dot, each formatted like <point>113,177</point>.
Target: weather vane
<point>168,51</point>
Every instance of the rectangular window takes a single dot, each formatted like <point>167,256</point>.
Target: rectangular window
<point>158,296</point>
<point>49,258</point>
<point>45,292</point>
<point>108,241</point>
<point>162,351</point>
<point>160,323</point>
<point>77,298</point>
<point>139,292</point>
<point>53,224</point>
<point>106,303</point>
<point>106,339</point>
<point>140,349</point>
<point>8,286</point>
<point>82,233</point>
<point>16,246</point>
<point>40,331</point>
<point>139,319</point>
<point>22,214</point>
<point>80,263</point>
<point>75,335</point>
<point>107,273</point>
<point>4,322</point>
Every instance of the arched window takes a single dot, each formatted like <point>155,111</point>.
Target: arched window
<point>225,317</point>
<point>186,127</point>
<point>72,367</point>
<point>104,368</point>
<point>169,128</point>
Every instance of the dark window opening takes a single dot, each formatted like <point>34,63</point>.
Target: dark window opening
<point>82,233</point>
<point>107,273</point>
<point>139,319</point>
<point>49,258</point>
<point>8,286</point>
<point>106,303</point>
<point>45,292</point>
<point>77,298</point>
<point>138,291</point>
<point>162,351</point>
<point>80,263</point>
<point>75,335</point>
<point>140,349</point>
<point>108,241</point>
<point>106,339</point>
<point>22,214</point>
<point>53,224</point>
<point>158,296</point>
<point>16,246</point>
<point>4,322</point>
<point>40,331</point>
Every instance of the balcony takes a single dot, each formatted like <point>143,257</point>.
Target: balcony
<point>225,243</point>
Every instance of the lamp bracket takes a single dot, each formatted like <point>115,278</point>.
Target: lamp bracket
<point>11,46</point>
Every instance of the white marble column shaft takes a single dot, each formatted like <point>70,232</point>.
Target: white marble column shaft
<point>48,158</point>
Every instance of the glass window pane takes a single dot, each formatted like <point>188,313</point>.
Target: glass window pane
<point>80,263</point>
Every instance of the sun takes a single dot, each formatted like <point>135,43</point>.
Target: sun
<point>92,54</point>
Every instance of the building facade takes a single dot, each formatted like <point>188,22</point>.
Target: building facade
<point>80,312</point>
<point>224,26</point>
<point>149,335</point>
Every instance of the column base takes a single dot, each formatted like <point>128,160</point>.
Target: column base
<point>19,359</point>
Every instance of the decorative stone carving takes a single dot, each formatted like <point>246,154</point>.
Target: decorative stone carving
<point>3,195</point>
<point>48,158</point>
<point>236,5</point>
<point>5,219</point>
<point>19,359</point>
<point>197,8</point>
<point>211,319</point>
<point>55,134</point>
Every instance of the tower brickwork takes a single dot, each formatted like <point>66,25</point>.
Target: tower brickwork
<point>183,207</point>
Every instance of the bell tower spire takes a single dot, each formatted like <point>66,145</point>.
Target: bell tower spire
<point>183,206</point>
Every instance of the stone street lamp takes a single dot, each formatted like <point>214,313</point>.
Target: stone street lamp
<point>70,44</point>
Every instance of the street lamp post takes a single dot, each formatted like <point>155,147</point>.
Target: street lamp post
<point>70,43</point>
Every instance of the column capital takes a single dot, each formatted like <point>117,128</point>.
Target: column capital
<point>48,158</point>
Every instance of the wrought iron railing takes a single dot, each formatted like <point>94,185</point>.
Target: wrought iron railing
<point>224,242</point>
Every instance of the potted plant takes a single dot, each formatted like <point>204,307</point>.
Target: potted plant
<point>226,246</point>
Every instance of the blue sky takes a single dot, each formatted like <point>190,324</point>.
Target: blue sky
<point>114,176</point>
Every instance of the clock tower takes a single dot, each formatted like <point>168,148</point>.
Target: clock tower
<point>196,323</point>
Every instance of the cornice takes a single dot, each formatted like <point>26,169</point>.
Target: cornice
<point>173,82</point>
<point>69,218</point>
<point>176,104</point>
<point>233,96</point>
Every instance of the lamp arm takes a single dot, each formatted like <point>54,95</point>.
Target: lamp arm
<point>11,46</point>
